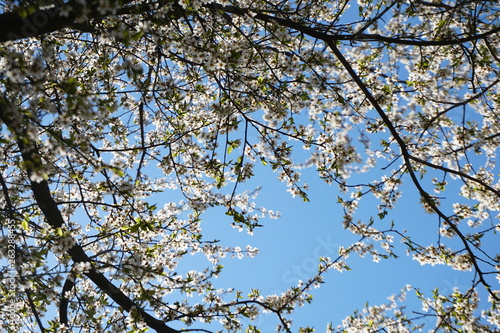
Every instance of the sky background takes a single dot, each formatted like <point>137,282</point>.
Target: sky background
<point>290,248</point>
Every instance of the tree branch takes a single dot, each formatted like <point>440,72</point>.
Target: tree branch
<point>41,192</point>
<point>408,164</point>
<point>455,172</point>
<point>316,33</point>
<point>63,304</point>
<point>55,18</point>
<point>43,21</point>
<point>34,310</point>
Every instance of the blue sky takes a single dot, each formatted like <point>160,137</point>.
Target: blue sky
<point>290,248</point>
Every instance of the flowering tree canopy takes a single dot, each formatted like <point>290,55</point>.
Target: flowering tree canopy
<point>107,107</point>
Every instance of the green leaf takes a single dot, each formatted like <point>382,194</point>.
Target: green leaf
<point>22,12</point>
<point>117,171</point>
<point>237,217</point>
<point>232,144</point>
<point>137,35</point>
<point>135,227</point>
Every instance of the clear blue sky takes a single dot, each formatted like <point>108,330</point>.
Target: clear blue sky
<point>290,248</point>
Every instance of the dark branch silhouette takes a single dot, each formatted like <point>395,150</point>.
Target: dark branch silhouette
<point>43,21</point>
<point>54,218</point>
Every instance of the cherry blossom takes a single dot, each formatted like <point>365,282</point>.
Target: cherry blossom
<point>123,124</point>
